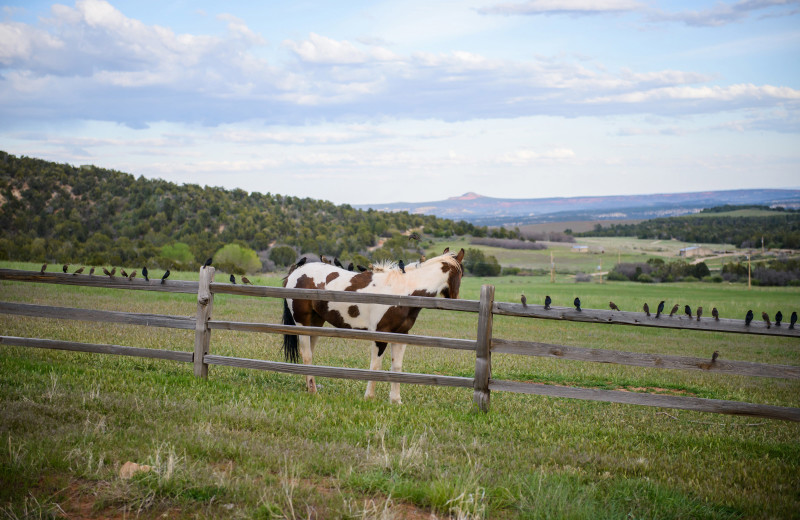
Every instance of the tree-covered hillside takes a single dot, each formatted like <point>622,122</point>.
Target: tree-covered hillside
<point>780,228</point>
<point>61,213</point>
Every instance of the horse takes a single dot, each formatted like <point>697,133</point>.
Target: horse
<point>439,275</point>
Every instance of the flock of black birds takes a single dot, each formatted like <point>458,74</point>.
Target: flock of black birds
<point>687,310</point>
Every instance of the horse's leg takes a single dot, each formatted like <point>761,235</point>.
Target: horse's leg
<point>306,350</point>
<point>398,351</point>
<point>374,364</point>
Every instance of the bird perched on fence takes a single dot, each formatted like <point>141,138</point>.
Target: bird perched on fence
<point>361,268</point>
<point>778,318</point>
<point>79,270</point>
<point>113,271</point>
<point>793,319</point>
<point>65,267</point>
<point>577,303</point>
<point>699,313</point>
<point>714,356</point>
<point>208,262</point>
<point>765,317</point>
<point>687,311</point>
<point>132,276</point>
<point>337,263</point>
<point>232,279</point>
<point>246,281</point>
<point>673,311</point>
<point>123,272</point>
<point>145,273</point>
<point>42,270</point>
<point>301,262</point>
<point>613,306</point>
<point>547,302</point>
<point>107,272</point>
<point>748,318</point>
<point>524,300</point>
<point>646,309</point>
<point>715,313</point>
<point>660,308</point>
<point>164,278</point>
<point>350,266</point>
<point>402,266</point>
<point>91,271</point>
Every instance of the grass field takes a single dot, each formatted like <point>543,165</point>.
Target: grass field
<point>248,444</point>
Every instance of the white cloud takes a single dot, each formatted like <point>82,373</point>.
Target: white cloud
<point>574,7</point>
<point>320,49</point>
<point>733,93</point>
<point>527,156</point>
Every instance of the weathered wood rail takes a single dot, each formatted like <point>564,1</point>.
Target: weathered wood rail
<point>484,345</point>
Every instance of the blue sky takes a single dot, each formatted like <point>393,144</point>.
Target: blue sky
<point>385,101</point>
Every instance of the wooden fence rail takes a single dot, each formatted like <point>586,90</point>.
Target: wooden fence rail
<point>484,345</point>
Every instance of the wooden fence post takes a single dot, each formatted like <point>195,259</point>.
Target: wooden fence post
<point>483,355</point>
<point>202,334</point>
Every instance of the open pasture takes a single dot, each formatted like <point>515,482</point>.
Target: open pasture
<point>604,252</point>
<point>253,444</point>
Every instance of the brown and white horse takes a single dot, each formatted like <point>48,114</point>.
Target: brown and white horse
<point>441,274</point>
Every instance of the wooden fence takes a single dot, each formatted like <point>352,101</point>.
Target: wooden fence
<point>484,345</point>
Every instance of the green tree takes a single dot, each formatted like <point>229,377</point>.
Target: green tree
<point>237,259</point>
<point>282,255</point>
<point>178,254</point>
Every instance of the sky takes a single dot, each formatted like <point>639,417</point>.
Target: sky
<point>385,101</point>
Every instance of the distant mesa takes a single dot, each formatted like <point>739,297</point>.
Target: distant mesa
<point>489,211</point>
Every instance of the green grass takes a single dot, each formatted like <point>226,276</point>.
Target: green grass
<point>251,444</point>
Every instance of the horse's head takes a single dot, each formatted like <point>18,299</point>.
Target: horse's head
<point>451,265</point>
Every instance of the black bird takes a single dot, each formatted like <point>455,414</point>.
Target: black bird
<point>699,313</point>
<point>233,279</point>
<point>547,302</point>
<point>687,311</point>
<point>361,268</point>
<point>337,263</point>
<point>402,266</point>
<point>673,311</point>
<point>123,273</point>
<point>524,301</point>
<point>91,271</point>
<point>350,266</point>
<point>714,356</point>
<point>778,318</point>
<point>208,262</point>
<point>44,266</point>
<point>613,306</point>
<point>164,278</point>
<point>79,271</point>
<point>301,262</point>
<point>246,280</point>
<point>132,276</point>
<point>793,320</point>
<point>66,266</point>
<point>660,309</point>
<point>106,272</point>
<point>765,317</point>
<point>113,271</point>
<point>646,309</point>
<point>715,313</point>
<point>144,273</point>
<point>577,303</point>
<point>748,318</point>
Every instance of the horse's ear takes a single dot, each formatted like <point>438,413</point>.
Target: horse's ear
<point>446,250</point>
<point>460,255</point>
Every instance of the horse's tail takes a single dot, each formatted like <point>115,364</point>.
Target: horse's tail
<point>290,349</point>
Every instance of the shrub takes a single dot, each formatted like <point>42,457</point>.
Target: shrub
<point>237,259</point>
<point>282,255</point>
<point>177,255</point>
<point>645,278</point>
<point>582,277</point>
<point>615,276</point>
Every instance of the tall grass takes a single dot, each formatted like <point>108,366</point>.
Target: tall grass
<point>250,444</point>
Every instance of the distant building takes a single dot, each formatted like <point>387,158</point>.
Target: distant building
<point>692,251</point>
<point>580,249</point>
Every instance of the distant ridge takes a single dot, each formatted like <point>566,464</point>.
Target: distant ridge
<point>481,210</point>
